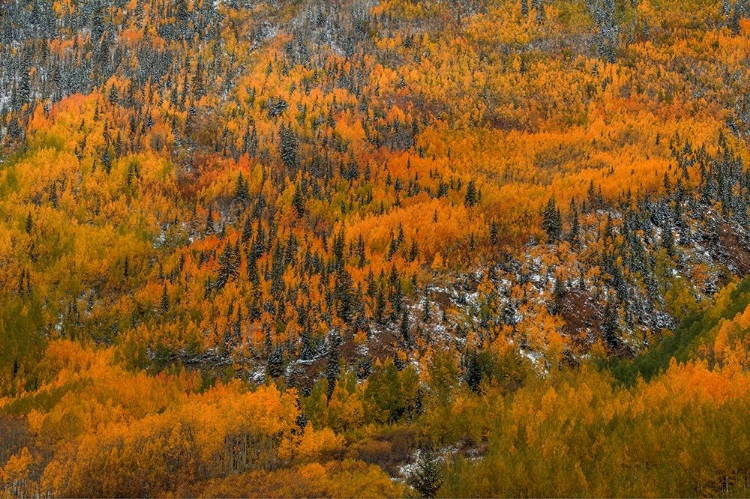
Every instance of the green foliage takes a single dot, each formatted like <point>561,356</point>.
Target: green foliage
<point>681,343</point>
<point>427,477</point>
<point>391,395</point>
<point>574,438</point>
<point>21,320</point>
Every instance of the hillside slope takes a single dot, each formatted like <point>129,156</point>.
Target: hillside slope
<point>390,223</point>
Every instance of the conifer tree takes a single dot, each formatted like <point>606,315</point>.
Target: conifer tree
<point>551,221</point>
<point>229,265</point>
<point>427,478</point>
<point>471,194</point>
<point>241,191</point>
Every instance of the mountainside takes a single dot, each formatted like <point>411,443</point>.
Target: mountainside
<point>374,248</point>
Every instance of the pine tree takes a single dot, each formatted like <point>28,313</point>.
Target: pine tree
<point>667,239</point>
<point>734,20</point>
<point>332,368</point>
<point>575,225</point>
<point>343,294</point>
<point>229,265</point>
<point>551,221</point>
<point>276,362</point>
<point>427,478</point>
<point>339,244</point>
<point>288,146</point>
<point>24,88</point>
<point>413,250</point>
<point>97,24</point>
<point>164,303</point>
<point>113,97</point>
<point>106,160</point>
<point>541,14</point>
<point>426,313</point>
<point>379,305</point>
<point>361,257</point>
<point>53,194</point>
<point>493,233</point>
<point>558,293</point>
<point>247,231</point>
<point>404,328</point>
<point>252,269</point>
<point>241,191</point>
<point>210,227</point>
<point>473,374</point>
<point>298,202</point>
<point>592,197</point>
<point>306,349</point>
<point>471,194</point>
<point>609,325</point>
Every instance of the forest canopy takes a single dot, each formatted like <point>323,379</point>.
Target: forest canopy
<point>374,248</point>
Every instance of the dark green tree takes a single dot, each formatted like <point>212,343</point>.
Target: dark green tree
<point>427,477</point>
<point>552,221</point>
<point>229,265</point>
<point>241,191</point>
<point>471,197</point>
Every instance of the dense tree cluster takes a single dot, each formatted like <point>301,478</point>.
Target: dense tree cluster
<point>380,219</point>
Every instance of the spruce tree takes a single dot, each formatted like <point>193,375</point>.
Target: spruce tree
<point>241,191</point>
<point>427,478</point>
<point>551,221</point>
<point>332,368</point>
<point>473,375</point>
<point>575,225</point>
<point>471,194</point>
<point>276,362</point>
<point>229,265</point>
<point>164,304</point>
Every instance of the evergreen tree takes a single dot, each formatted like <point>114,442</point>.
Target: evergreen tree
<point>247,231</point>
<point>298,202</point>
<point>332,368</point>
<point>210,227</point>
<point>306,349</point>
<point>471,194</point>
<point>229,266</point>
<point>473,375</point>
<point>609,325</point>
<point>343,294</point>
<point>541,14</point>
<point>361,257</point>
<point>426,313</point>
<point>241,191</point>
<point>252,270</point>
<point>667,239</point>
<point>24,88</point>
<point>427,478</point>
<point>404,328</point>
<point>551,221</point>
<point>288,146</point>
<point>575,225</point>
<point>276,362</point>
<point>493,233</point>
<point>558,293</point>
